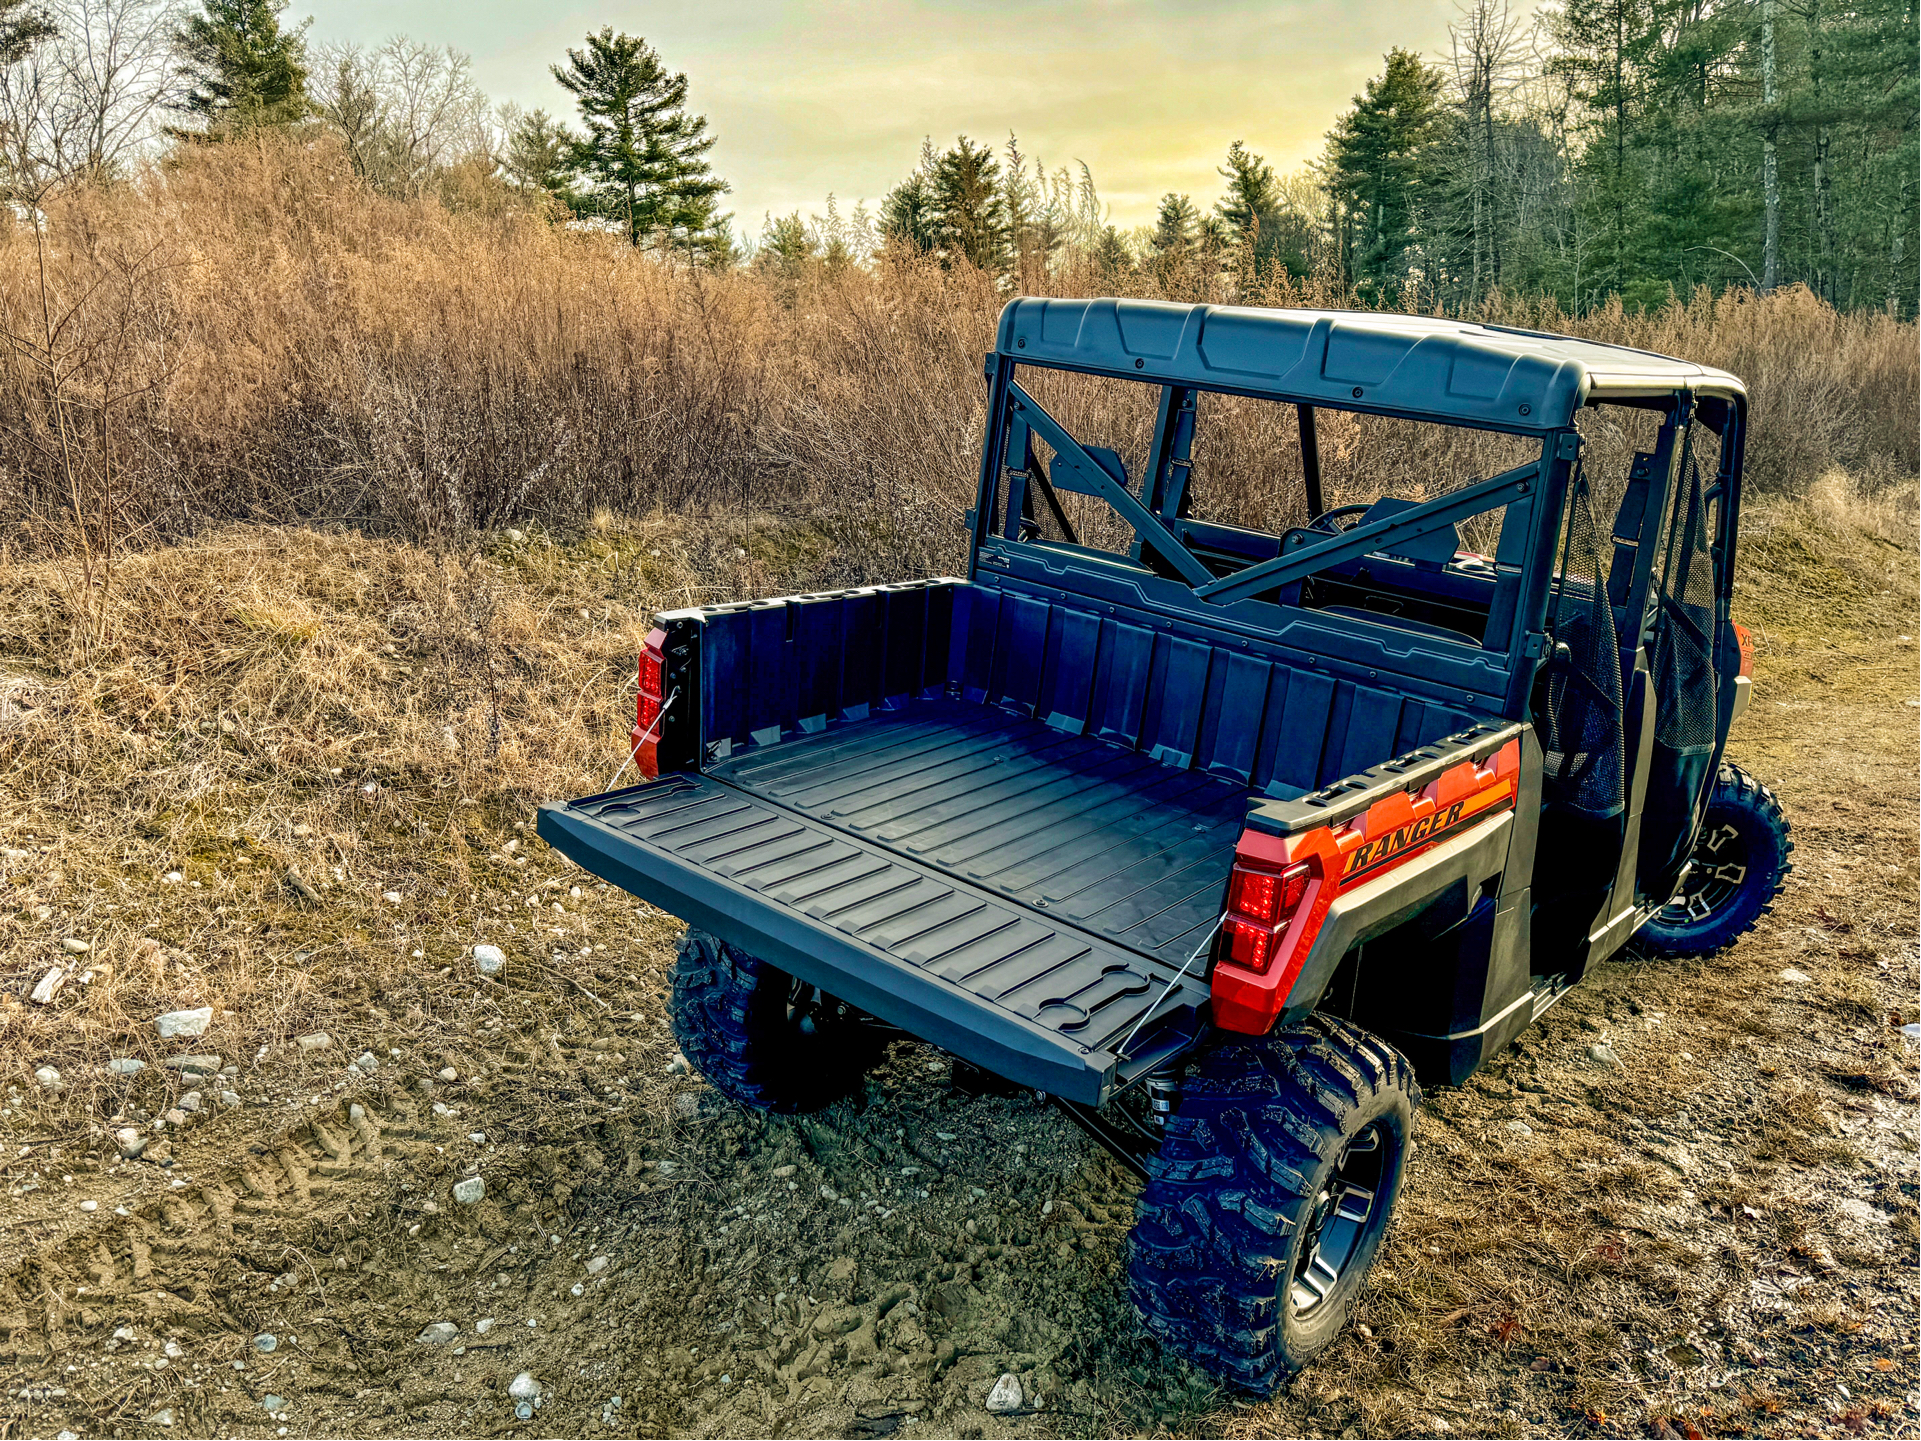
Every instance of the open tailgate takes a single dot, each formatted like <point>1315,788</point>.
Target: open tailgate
<point>1007,987</point>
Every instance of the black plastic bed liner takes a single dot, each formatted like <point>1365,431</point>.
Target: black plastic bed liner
<point>1016,895</point>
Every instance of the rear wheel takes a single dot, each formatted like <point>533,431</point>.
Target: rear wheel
<point>1269,1198</point>
<point>1737,866</point>
<point>762,1037</point>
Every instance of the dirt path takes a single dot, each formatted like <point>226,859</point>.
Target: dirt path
<point>1716,1237</point>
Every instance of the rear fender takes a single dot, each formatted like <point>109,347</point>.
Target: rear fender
<point>1406,852</point>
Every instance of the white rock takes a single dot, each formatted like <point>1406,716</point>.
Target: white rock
<point>315,1041</point>
<point>176,1117</point>
<point>438,1334</point>
<point>1603,1054</point>
<point>49,986</point>
<point>523,1387</point>
<point>172,878</point>
<point>392,898</point>
<point>1520,1128</point>
<point>77,947</point>
<point>515,537</point>
<point>597,1265</point>
<point>130,1141</point>
<point>184,1023</point>
<point>90,1205</point>
<point>1006,1395</point>
<point>367,1061</point>
<point>1794,974</point>
<point>162,1417</point>
<point>48,1078</point>
<point>125,1066</point>
<point>469,1191</point>
<point>479,1138</point>
<point>191,1102</point>
<point>266,1343</point>
<point>448,1073</point>
<point>229,1099</point>
<point>14,853</point>
<point>484,1325</point>
<point>489,960</point>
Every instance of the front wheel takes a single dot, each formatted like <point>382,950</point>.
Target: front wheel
<point>1736,868</point>
<point>1270,1197</point>
<point>761,1036</point>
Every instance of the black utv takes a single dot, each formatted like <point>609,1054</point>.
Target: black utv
<point>1218,830</point>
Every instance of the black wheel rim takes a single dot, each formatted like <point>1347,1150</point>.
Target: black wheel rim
<point>1342,1217</point>
<point>1716,870</point>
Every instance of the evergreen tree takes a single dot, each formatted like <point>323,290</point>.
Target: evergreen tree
<point>1176,227</point>
<point>539,155</point>
<point>642,156</point>
<point>907,216</point>
<point>21,28</point>
<point>1382,156</point>
<point>241,68</point>
<point>969,207</point>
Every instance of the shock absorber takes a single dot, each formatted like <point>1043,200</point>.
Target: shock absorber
<point>1163,1096</point>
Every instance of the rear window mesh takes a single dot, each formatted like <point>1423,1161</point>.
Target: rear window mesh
<point>1684,679</point>
<point>1580,729</point>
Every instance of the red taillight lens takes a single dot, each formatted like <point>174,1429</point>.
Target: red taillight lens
<point>653,668</point>
<point>1248,944</point>
<point>1261,906</point>
<point>1255,894</point>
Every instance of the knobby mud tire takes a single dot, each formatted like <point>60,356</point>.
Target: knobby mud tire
<point>1218,1263</point>
<point>1743,807</point>
<point>759,1037</point>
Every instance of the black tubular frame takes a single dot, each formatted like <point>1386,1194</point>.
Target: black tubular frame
<point>1534,494</point>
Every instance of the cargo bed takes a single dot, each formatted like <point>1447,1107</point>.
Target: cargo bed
<point>1017,895</point>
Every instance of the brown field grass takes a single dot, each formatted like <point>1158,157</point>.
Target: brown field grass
<point>253,334</point>
<point>334,732</point>
<point>306,723</point>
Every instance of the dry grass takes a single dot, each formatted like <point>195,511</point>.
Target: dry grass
<point>251,333</point>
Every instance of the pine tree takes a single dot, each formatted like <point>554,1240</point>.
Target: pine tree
<point>241,68</point>
<point>1382,156</point>
<point>969,207</point>
<point>21,28</point>
<point>540,155</point>
<point>1175,227</point>
<point>643,156</point>
<point>907,217</point>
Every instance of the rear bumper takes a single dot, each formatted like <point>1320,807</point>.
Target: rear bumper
<point>1011,990</point>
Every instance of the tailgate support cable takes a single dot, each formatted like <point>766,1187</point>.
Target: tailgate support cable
<point>644,737</point>
<point>1120,1051</point>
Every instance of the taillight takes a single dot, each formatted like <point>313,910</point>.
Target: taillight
<point>647,709</point>
<point>1260,907</point>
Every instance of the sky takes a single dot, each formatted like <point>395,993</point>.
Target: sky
<point>809,97</point>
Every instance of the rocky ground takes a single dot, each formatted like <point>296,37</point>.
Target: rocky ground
<point>1684,1204</point>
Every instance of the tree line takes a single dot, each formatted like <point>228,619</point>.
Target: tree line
<point>1605,148</point>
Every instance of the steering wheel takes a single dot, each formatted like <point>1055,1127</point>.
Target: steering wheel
<point>1331,520</point>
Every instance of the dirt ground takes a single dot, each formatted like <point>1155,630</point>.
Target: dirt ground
<point>1716,1236</point>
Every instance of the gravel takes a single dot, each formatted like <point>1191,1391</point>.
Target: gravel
<point>469,1191</point>
<point>438,1334</point>
<point>266,1343</point>
<point>489,960</point>
<point>125,1066</point>
<point>184,1023</point>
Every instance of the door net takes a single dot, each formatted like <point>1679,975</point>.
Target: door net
<point>1684,678</point>
<point>1580,726</point>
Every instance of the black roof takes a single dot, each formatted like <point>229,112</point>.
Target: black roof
<point>1452,370</point>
